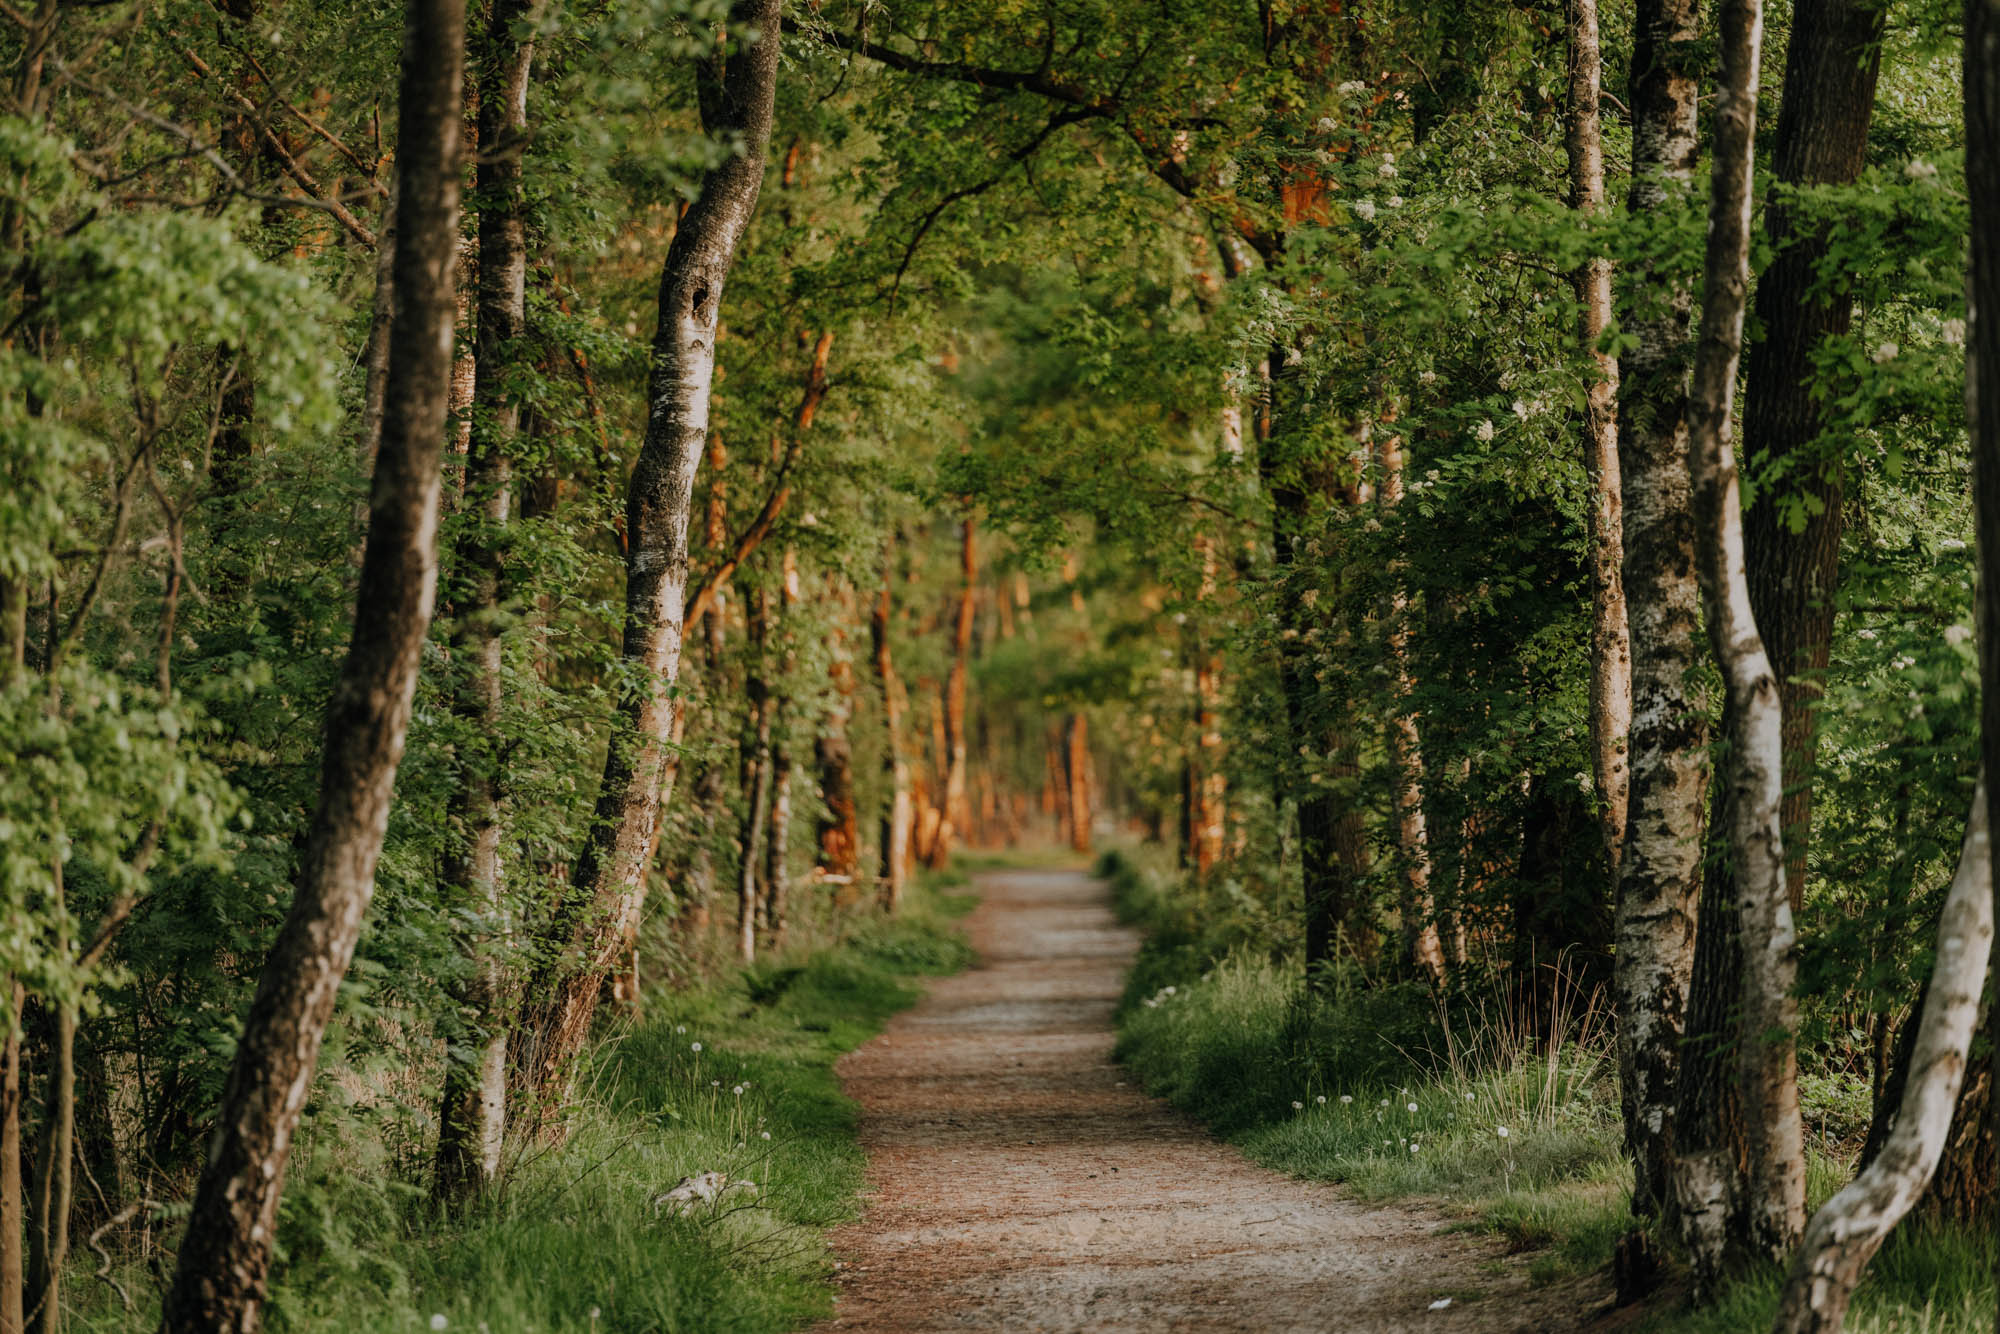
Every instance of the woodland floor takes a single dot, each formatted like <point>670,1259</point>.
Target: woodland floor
<point>1020,1181</point>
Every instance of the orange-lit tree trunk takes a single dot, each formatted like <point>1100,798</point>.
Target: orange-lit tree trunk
<point>839,828</point>
<point>1076,780</point>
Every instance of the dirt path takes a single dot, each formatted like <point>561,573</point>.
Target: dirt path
<point>1020,1182</point>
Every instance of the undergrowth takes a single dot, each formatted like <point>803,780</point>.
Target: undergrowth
<point>733,1076</point>
<point>1507,1118</point>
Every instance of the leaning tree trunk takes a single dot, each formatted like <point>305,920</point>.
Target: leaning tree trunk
<point>1659,870</point>
<point>1740,1188</point>
<point>1831,66</point>
<point>1850,1228</point>
<point>1981,79</point>
<point>1610,641</point>
<point>587,931</point>
<point>472,1117</point>
<point>225,1256</point>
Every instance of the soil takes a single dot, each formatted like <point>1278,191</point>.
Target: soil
<point>1020,1181</point>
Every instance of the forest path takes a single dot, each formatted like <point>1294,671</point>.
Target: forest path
<point>1020,1181</point>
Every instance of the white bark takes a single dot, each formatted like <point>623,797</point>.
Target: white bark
<point>1850,1228</point>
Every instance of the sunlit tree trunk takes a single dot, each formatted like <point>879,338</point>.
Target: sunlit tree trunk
<point>1848,1229</point>
<point>472,1118</point>
<point>1740,1189</point>
<point>219,1282</point>
<point>1610,641</point>
<point>1659,872</point>
<point>1422,945</point>
<point>957,815</point>
<point>586,932</point>
<point>839,829</point>
<point>1076,780</point>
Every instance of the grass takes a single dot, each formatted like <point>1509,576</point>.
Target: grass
<point>574,1243</point>
<point>1391,1094</point>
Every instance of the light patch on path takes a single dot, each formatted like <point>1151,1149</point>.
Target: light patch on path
<point>1019,1181</point>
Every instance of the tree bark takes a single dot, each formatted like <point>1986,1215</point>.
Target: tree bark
<point>1850,1228</point>
<point>839,830</point>
<point>756,778</point>
<point>1981,81</point>
<point>472,1118</point>
<point>1610,640</point>
<point>587,930</point>
<point>219,1282</point>
<point>1740,1188</point>
<point>1422,946</point>
<point>1076,780</point>
<point>13,1279</point>
<point>898,813</point>
<point>957,814</point>
<point>1659,872</point>
<point>1831,64</point>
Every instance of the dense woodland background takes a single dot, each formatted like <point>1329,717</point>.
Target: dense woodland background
<point>1265,432</point>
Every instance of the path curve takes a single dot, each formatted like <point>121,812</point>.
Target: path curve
<point>1019,1181</point>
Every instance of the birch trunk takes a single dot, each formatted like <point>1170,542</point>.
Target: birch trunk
<point>220,1278</point>
<point>1848,1229</point>
<point>1981,80</point>
<point>1740,1190</point>
<point>594,918</point>
<point>472,1118</point>
<point>1610,640</point>
<point>1659,870</point>
<point>897,815</point>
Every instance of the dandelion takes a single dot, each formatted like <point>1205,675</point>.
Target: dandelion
<point>1503,1132</point>
<point>1346,1098</point>
<point>1885,353</point>
<point>1321,1100</point>
<point>1413,1107</point>
<point>1385,1102</point>
<point>1484,430</point>
<point>1413,1148</point>
<point>764,1134</point>
<point>438,1321</point>
<point>1298,1106</point>
<point>738,1090</point>
<point>694,1046</point>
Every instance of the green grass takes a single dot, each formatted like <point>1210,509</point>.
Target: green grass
<point>573,1244</point>
<point>1323,1088</point>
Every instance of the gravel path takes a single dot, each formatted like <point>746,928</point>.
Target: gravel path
<point>1020,1182</point>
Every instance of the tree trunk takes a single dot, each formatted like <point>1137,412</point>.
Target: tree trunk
<point>13,1279</point>
<point>1422,946</point>
<point>897,814</point>
<point>957,814</point>
<point>1981,81</point>
<point>1076,780</point>
<point>1659,870</point>
<point>778,844</point>
<point>1792,531</point>
<point>587,930</point>
<point>1850,1228</point>
<point>53,1193</point>
<point>1610,641</point>
<point>472,1118</point>
<point>756,779</point>
<point>1740,1187</point>
<point>839,830</point>
<point>224,1261</point>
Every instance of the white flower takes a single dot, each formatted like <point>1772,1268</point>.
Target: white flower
<point>1957,634</point>
<point>1321,1100</point>
<point>1364,209</point>
<point>1351,87</point>
<point>680,1028</point>
<point>1503,1132</point>
<point>1413,1148</point>
<point>1326,125</point>
<point>1385,1102</point>
<point>1885,353</point>
<point>1919,170</point>
<point>1427,377</point>
<point>1387,170</point>
<point>1413,1107</point>
<point>1346,1098</point>
<point>438,1321</point>
<point>694,1046</point>
<point>738,1090</point>
<point>1298,1106</point>
<point>1953,332</point>
<point>1484,430</point>
<point>1170,991</point>
<point>1952,544</point>
<point>1394,201</point>
<point>594,1313</point>
<point>1865,634</point>
<point>1520,409</point>
<point>764,1134</point>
